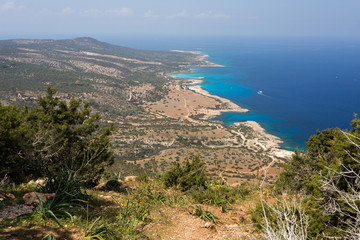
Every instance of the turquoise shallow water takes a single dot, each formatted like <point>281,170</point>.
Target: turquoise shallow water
<point>214,83</point>
<point>307,84</point>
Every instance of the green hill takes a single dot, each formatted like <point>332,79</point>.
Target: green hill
<point>94,70</point>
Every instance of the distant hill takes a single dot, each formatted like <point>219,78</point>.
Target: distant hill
<point>159,120</point>
<point>100,72</point>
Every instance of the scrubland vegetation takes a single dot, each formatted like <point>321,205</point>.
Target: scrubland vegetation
<point>315,197</point>
<point>65,170</point>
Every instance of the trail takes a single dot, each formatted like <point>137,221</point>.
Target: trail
<point>186,107</point>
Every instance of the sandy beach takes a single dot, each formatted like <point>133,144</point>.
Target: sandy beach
<point>244,149</point>
<point>201,58</point>
<point>188,102</point>
<point>227,105</point>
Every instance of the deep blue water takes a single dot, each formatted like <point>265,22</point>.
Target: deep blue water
<point>307,84</point>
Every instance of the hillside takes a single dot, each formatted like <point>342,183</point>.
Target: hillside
<point>97,71</point>
<point>159,120</point>
<point>194,178</point>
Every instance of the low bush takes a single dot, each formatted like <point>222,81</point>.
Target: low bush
<point>221,195</point>
<point>205,215</point>
<point>130,216</point>
<point>97,230</point>
<point>54,135</point>
<point>68,196</point>
<point>192,174</point>
<point>218,197</point>
<point>65,187</point>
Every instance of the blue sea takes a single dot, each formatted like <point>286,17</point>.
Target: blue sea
<point>306,84</point>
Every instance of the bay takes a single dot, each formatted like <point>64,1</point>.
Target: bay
<point>293,86</point>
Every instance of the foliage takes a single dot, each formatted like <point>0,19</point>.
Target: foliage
<point>97,230</point>
<point>327,173</point>
<point>285,219</point>
<point>130,216</point>
<point>142,176</point>
<point>243,190</point>
<point>191,174</point>
<point>66,188</point>
<point>53,136</point>
<point>257,214</point>
<point>149,193</point>
<point>52,210</point>
<point>221,195</point>
<point>322,150</point>
<point>68,195</point>
<point>344,201</point>
<point>215,196</point>
<point>49,236</point>
<point>205,215</point>
<point>12,137</point>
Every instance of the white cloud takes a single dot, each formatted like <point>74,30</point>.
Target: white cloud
<point>212,15</point>
<point>10,6</point>
<point>182,14</point>
<point>67,11</point>
<point>92,12</point>
<point>124,12</point>
<point>150,14</point>
<point>207,15</point>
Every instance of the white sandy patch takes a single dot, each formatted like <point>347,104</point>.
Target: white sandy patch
<point>230,106</point>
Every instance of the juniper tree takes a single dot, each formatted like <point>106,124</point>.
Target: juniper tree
<point>54,136</point>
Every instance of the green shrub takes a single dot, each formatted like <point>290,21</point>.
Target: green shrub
<point>97,230</point>
<point>243,190</point>
<point>221,195</point>
<point>205,215</point>
<point>130,216</point>
<point>67,189</point>
<point>52,210</point>
<point>142,177</point>
<point>49,236</point>
<point>284,219</point>
<point>330,162</point>
<point>257,214</point>
<point>53,136</point>
<point>191,174</point>
<point>68,196</point>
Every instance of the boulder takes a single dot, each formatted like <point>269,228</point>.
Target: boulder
<point>130,179</point>
<point>6,195</point>
<point>15,211</point>
<point>31,198</point>
<point>115,186</point>
<point>39,181</point>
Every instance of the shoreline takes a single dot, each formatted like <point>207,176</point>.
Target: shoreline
<point>232,107</point>
<point>201,58</point>
<point>239,151</point>
<point>273,143</point>
<point>227,105</point>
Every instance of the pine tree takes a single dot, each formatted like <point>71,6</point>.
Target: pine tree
<point>54,136</point>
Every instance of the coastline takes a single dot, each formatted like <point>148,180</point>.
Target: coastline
<point>273,142</point>
<point>227,105</point>
<point>239,151</point>
<point>200,57</point>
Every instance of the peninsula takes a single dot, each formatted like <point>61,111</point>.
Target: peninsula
<point>159,120</point>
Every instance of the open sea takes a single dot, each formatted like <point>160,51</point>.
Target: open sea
<point>292,86</point>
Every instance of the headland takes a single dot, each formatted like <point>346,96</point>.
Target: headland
<point>188,102</point>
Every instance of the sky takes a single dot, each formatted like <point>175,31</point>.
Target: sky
<point>73,18</point>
